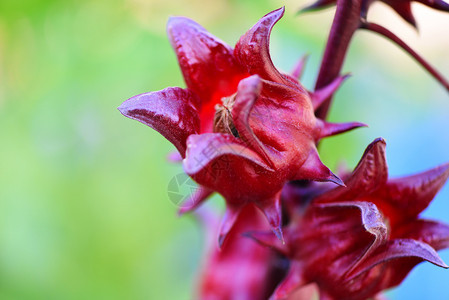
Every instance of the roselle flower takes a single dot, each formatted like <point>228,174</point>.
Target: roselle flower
<point>243,128</point>
<point>241,269</point>
<point>357,241</point>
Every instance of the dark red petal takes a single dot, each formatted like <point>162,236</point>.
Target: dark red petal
<point>373,224</point>
<point>435,234</point>
<point>404,9</point>
<point>372,169</point>
<point>172,112</point>
<point>319,96</point>
<point>206,62</point>
<point>195,200</point>
<point>370,173</point>
<point>205,148</point>
<point>353,228</point>
<point>330,240</point>
<point>228,221</point>
<point>330,129</point>
<point>248,92</point>
<point>225,164</point>
<point>280,94</point>
<point>266,238</point>
<point>432,235</point>
<point>242,172</point>
<point>409,196</point>
<point>334,238</point>
<point>271,208</point>
<point>314,169</point>
<point>370,216</point>
<point>252,50</point>
<point>397,249</point>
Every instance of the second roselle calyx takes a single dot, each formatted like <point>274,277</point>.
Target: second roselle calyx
<point>357,241</point>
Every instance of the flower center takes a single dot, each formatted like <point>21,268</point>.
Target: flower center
<point>223,122</point>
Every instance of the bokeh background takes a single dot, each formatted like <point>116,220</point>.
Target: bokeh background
<point>84,211</point>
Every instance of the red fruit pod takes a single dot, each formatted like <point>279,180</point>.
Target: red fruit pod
<point>357,241</point>
<point>244,131</point>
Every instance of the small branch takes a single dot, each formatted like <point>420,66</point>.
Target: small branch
<point>392,37</point>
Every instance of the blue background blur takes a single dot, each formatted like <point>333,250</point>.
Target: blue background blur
<point>84,212</point>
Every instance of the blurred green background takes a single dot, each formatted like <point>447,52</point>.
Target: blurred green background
<point>84,211</point>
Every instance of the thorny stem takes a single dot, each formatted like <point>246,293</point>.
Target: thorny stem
<point>346,22</point>
<point>391,36</point>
